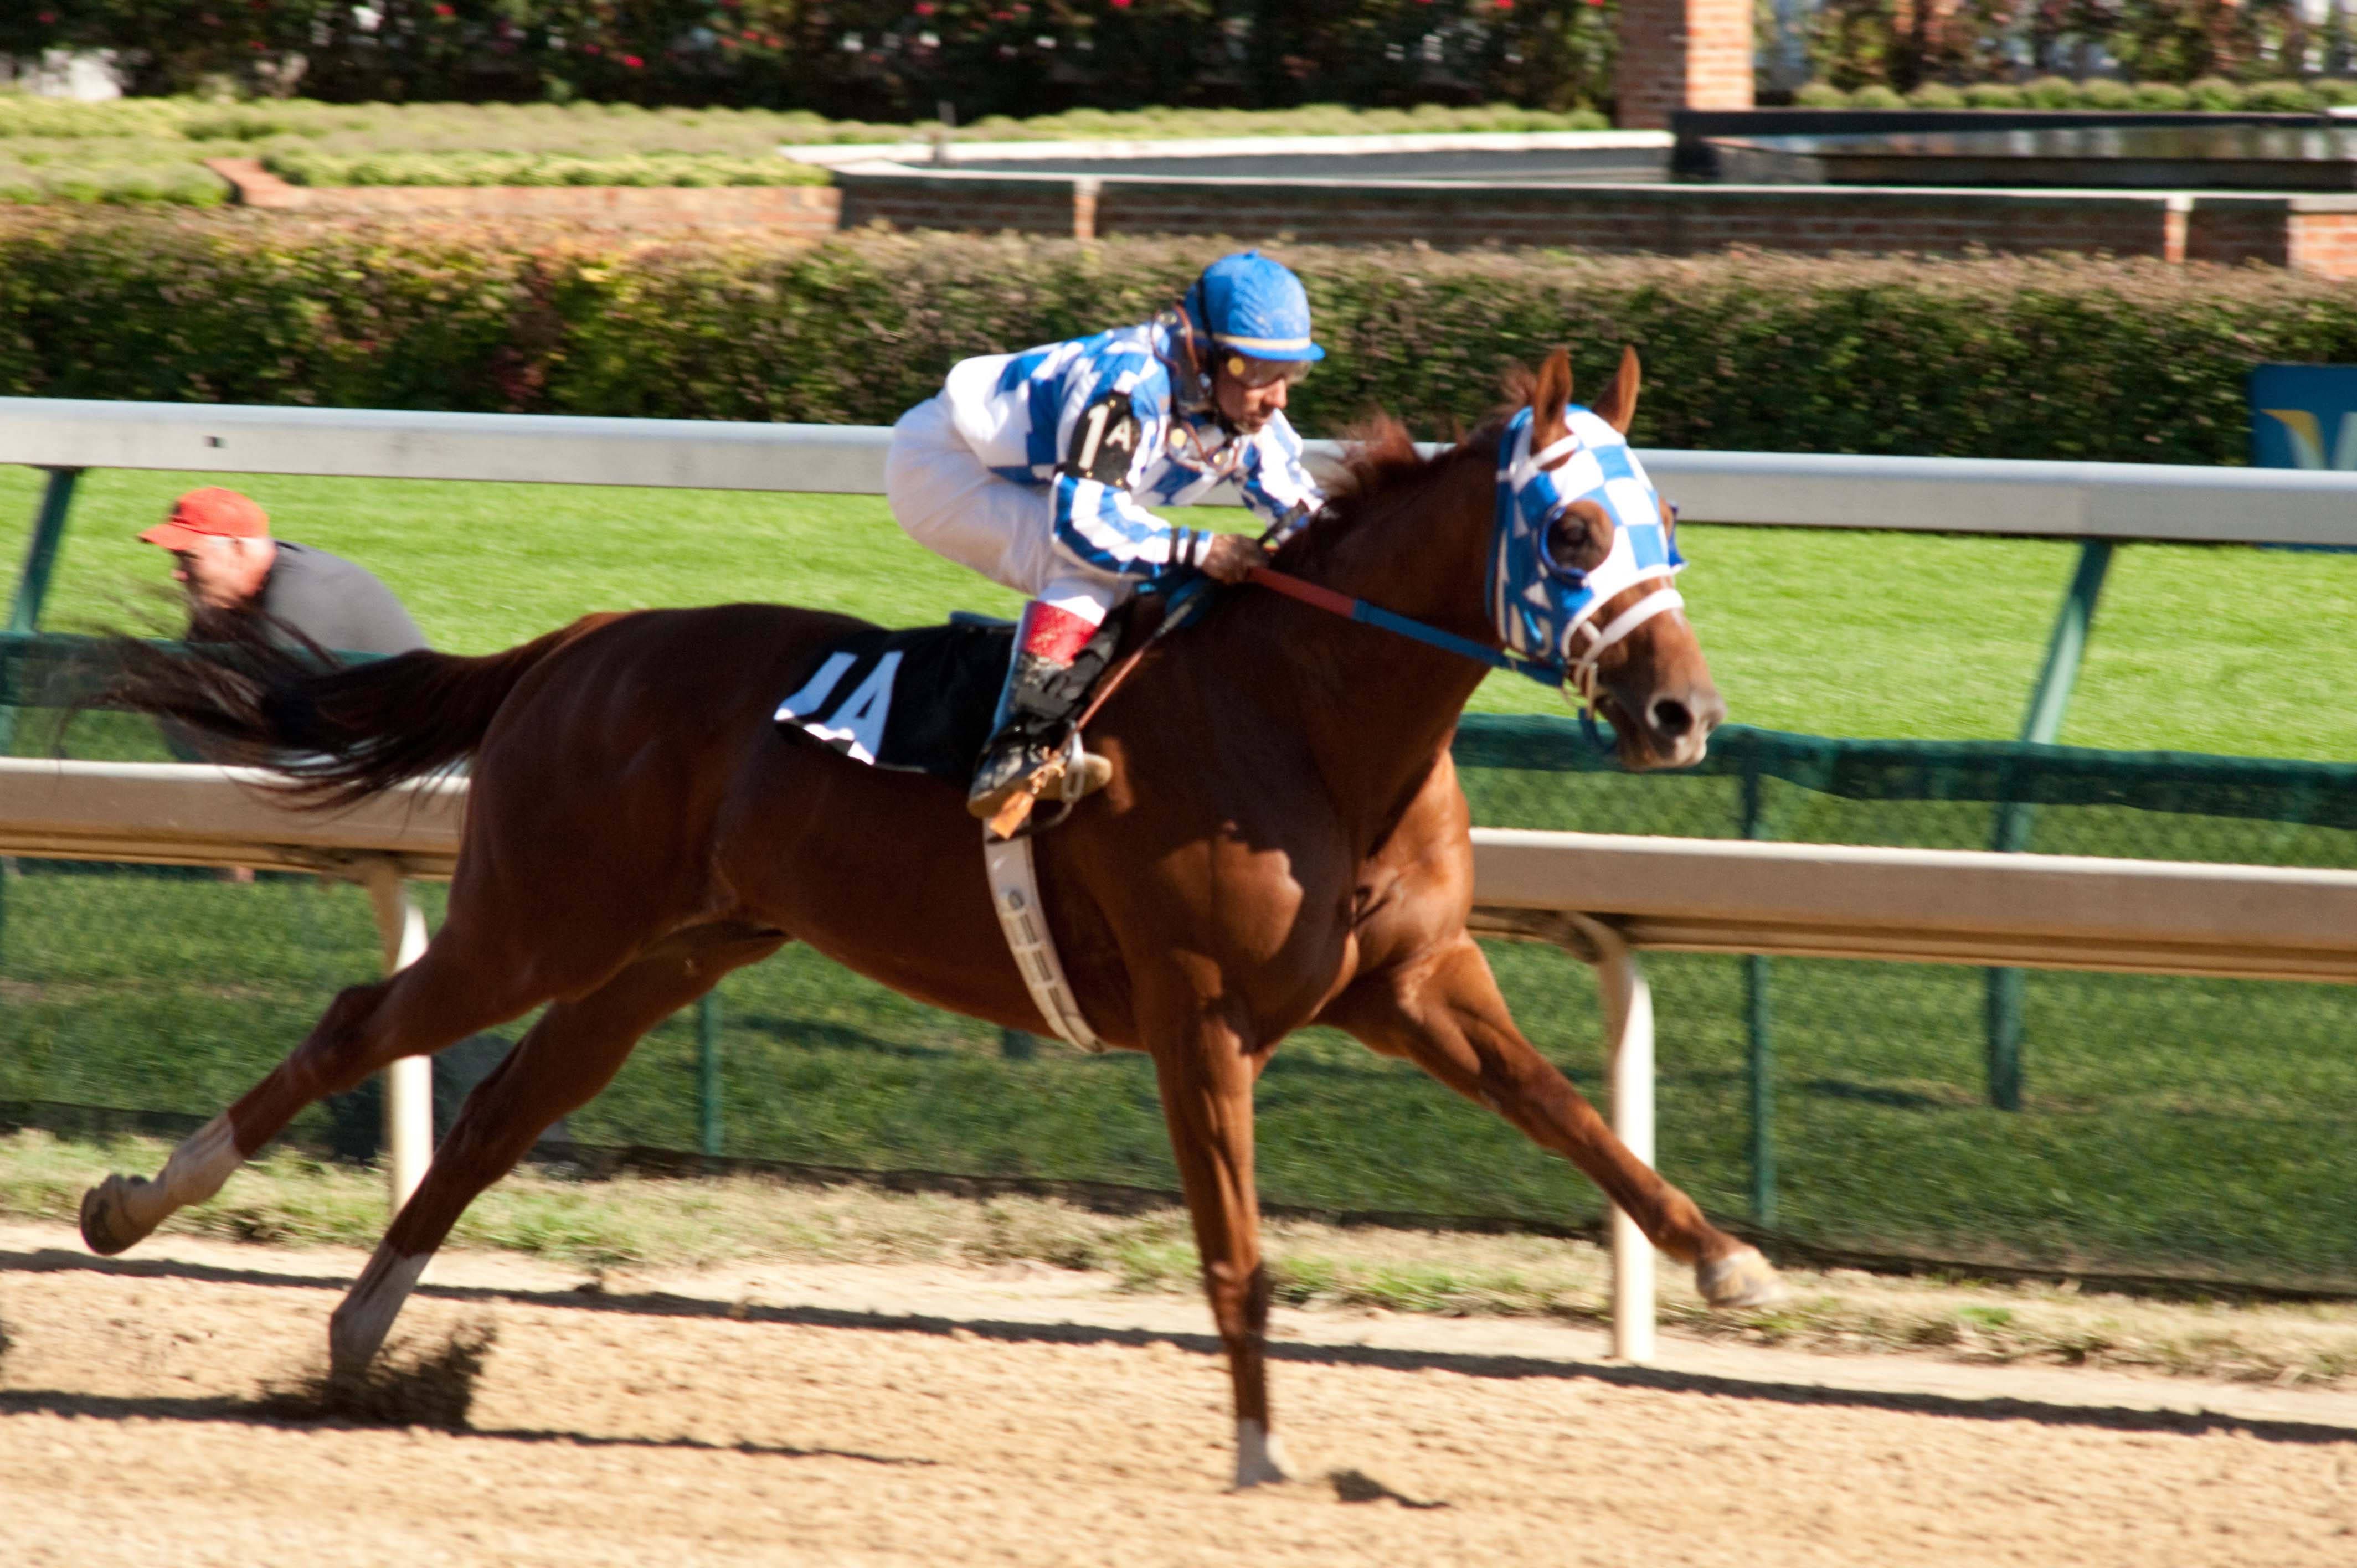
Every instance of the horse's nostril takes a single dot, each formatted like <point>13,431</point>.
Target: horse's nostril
<point>1671,717</point>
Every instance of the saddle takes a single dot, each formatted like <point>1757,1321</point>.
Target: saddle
<point>919,700</point>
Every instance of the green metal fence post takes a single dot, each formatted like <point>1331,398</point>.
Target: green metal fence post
<point>707,1074</point>
<point>33,584</point>
<point>1762,1041</point>
<point>32,589</point>
<point>41,551</point>
<point>2051,698</point>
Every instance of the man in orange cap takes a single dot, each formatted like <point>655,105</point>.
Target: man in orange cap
<point>223,555</point>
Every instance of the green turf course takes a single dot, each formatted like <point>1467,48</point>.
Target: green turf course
<point>2171,1125</point>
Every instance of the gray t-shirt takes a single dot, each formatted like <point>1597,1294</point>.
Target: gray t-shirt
<point>339,605</point>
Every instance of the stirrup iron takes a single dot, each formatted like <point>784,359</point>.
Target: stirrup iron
<point>1070,776</point>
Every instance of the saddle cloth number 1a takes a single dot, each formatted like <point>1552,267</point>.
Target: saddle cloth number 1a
<point>853,721</point>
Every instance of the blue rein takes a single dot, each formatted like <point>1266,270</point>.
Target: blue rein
<point>1366,614</point>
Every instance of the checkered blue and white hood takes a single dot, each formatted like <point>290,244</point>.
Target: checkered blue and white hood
<point>1546,611</point>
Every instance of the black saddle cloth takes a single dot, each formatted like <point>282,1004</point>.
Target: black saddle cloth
<point>919,701</point>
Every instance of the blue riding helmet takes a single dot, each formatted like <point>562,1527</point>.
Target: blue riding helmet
<point>1253,305</point>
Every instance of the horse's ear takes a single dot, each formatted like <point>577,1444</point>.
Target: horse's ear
<point>1548,397</point>
<point>1617,405</point>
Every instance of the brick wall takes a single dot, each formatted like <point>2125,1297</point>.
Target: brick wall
<point>1025,204</point>
<point>2315,233</point>
<point>1682,54</point>
<point>2231,232</point>
<point>2323,240</point>
<point>2311,233</point>
<point>1667,220</point>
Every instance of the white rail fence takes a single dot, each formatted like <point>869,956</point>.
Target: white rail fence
<point>1934,495</point>
<point>1601,897</point>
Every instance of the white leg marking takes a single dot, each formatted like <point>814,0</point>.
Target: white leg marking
<point>1260,1456</point>
<point>356,1330</point>
<point>121,1210</point>
<point>205,1159</point>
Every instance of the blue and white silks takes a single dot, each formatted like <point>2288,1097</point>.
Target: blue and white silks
<point>1025,415</point>
<point>1546,611</point>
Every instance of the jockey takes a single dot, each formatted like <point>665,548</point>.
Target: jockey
<point>1037,469</point>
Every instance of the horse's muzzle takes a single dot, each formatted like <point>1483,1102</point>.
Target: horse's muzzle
<point>1673,730</point>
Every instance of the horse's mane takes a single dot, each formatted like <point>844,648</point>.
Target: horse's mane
<point>1380,466</point>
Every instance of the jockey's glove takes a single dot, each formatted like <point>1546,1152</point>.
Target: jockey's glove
<point>1230,557</point>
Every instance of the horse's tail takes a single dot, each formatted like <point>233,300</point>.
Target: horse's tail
<point>338,732</point>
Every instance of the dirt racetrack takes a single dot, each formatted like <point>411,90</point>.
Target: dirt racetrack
<point>790,1416</point>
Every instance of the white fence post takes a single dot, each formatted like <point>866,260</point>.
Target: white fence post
<point>1628,1070</point>
<point>409,1081</point>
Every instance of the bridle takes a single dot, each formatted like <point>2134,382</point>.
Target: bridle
<point>1530,500</point>
<point>1188,591</point>
<point>1551,615</point>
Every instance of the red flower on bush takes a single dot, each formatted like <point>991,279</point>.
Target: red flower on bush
<point>445,10</point>
<point>1121,4</point>
<point>633,62</point>
<point>924,7</point>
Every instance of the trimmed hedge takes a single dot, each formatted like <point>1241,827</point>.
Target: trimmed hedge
<point>152,149</point>
<point>301,168</point>
<point>2211,94</point>
<point>2131,361</point>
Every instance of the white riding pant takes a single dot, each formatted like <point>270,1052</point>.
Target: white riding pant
<point>946,499</point>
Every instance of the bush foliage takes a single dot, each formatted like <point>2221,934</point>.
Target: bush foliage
<point>2213,93</point>
<point>2269,44</point>
<point>871,59</point>
<point>1984,358</point>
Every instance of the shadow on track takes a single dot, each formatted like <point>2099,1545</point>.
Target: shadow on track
<point>265,1412</point>
<point>660,1303</point>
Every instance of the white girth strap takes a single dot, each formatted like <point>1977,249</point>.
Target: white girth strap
<point>1014,894</point>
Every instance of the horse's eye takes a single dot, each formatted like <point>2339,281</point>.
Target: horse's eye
<point>1579,538</point>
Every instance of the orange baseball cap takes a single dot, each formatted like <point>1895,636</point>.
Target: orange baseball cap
<point>211,512</point>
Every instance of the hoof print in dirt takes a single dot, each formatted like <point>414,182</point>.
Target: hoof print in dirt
<point>400,1388</point>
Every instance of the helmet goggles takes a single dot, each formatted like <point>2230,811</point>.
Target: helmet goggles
<point>1246,370</point>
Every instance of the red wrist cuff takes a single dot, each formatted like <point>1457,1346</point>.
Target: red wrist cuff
<point>1055,634</point>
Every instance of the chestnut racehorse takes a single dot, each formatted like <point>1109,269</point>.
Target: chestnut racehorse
<point>1283,843</point>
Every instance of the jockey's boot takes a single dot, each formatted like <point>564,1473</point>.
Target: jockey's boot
<point>1047,679</point>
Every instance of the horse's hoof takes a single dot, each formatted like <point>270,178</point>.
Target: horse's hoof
<point>107,1227</point>
<point>1260,1457</point>
<point>1742,1278</point>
